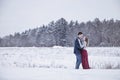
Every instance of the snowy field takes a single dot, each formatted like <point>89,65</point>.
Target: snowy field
<point>58,57</point>
<point>57,63</point>
<point>58,74</point>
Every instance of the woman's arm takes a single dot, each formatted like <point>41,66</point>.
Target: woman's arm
<point>82,45</point>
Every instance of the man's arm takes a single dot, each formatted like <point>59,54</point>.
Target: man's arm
<point>78,44</point>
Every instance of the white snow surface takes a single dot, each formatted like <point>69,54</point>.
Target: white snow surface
<point>58,74</point>
<point>58,57</point>
<point>57,63</point>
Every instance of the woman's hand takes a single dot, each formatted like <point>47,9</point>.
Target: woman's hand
<point>84,38</point>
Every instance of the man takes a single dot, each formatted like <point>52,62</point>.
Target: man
<point>78,46</point>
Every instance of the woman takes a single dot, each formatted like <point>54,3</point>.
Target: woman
<point>84,54</point>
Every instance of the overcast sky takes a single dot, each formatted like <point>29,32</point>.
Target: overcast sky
<point>20,15</point>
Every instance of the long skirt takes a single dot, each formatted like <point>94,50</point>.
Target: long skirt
<point>85,63</point>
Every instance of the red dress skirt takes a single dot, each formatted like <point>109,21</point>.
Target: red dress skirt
<point>85,63</point>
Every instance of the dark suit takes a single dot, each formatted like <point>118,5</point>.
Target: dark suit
<point>77,52</point>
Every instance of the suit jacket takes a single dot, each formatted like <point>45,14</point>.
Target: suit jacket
<point>77,46</point>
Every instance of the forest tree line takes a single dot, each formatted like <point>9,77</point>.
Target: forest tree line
<point>104,33</point>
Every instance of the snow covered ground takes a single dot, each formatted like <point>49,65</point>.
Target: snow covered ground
<point>58,74</point>
<point>57,63</point>
<point>58,57</point>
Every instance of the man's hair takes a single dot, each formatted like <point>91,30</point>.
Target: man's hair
<point>79,33</point>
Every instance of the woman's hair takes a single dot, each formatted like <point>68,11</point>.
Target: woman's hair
<point>87,41</point>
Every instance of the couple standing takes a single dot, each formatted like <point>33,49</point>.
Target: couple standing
<point>80,52</point>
